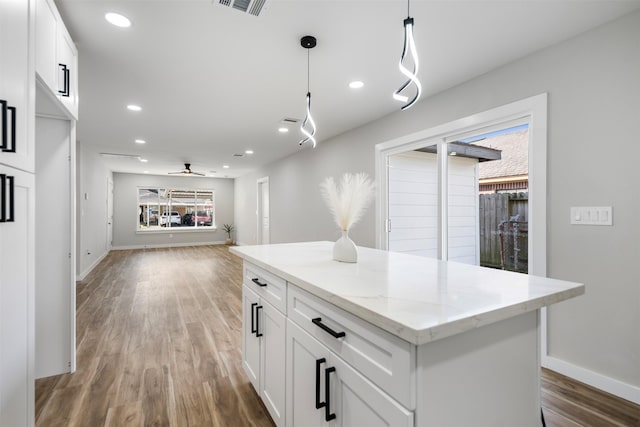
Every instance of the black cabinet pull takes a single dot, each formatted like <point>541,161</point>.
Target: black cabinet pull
<point>10,179</point>
<point>318,403</point>
<point>65,90</point>
<point>258,333</point>
<point>6,109</point>
<point>328,416</point>
<point>257,282</point>
<point>253,328</point>
<point>318,322</point>
<point>3,197</point>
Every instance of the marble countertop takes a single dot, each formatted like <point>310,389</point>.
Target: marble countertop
<point>417,299</point>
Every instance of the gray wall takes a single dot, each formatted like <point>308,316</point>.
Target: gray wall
<point>91,237</point>
<point>593,82</point>
<point>125,210</point>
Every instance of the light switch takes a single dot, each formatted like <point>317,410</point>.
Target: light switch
<point>602,215</point>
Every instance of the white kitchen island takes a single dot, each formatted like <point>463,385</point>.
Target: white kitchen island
<point>393,339</point>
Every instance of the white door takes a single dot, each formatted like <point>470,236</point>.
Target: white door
<point>323,390</point>
<point>250,342</point>
<point>109,213</point>
<point>16,299</point>
<point>54,280</point>
<point>272,358</point>
<point>263,212</point>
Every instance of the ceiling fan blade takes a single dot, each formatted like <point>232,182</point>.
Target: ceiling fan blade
<point>176,173</point>
<point>197,173</point>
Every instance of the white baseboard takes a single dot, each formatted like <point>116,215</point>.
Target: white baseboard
<point>617,388</point>
<point>89,269</point>
<point>240,244</point>
<point>167,245</point>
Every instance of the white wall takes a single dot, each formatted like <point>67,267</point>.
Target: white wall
<point>593,150</point>
<point>126,211</point>
<point>91,242</point>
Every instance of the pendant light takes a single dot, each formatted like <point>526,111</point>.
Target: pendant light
<point>409,47</point>
<point>308,42</point>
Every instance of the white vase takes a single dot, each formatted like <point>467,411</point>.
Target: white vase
<point>344,250</point>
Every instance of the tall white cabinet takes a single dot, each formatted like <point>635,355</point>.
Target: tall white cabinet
<point>17,209</point>
<point>18,197</point>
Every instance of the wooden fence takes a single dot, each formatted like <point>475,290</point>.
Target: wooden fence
<point>503,227</point>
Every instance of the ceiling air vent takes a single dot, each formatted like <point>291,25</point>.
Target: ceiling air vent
<point>289,120</point>
<point>252,7</point>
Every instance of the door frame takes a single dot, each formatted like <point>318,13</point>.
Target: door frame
<point>259,237</point>
<point>532,110</point>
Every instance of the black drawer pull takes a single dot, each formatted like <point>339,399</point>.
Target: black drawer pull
<point>65,70</point>
<point>257,282</point>
<point>253,320</point>
<point>10,218</point>
<point>3,197</point>
<point>318,322</point>
<point>258,333</point>
<point>4,145</point>
<point>328,416</point>
<point>318,403</point>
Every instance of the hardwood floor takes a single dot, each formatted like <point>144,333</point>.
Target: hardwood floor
<point>159,341</point>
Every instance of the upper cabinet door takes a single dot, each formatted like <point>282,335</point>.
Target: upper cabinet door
<point>56,58</point>
<point>67,71</point>
<point>16,88</point>
<point>46,42</point>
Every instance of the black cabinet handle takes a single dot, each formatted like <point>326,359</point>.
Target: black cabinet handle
<point>258,333</point>
<point>3,197</point>
<point>328,416</point>
<point>257,282</point>
<point>65,90</point>
<point>10,179</point>
<point>253,328</point>
<point>318,322</point>
<point>318,403</point>
<point>6,109</point>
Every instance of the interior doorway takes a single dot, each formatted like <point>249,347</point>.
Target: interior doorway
<point>264,225</point>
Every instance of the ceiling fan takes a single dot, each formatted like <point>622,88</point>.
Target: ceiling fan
<point>186,171</point>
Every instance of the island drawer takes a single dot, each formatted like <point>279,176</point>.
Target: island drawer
<point>384,359</point>
<point>268,286</point>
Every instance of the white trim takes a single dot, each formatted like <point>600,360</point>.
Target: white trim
<point>89,269</point>
<point>443,194</point>
<point>167,245</point>
<point>599,381</point>
<point>259,228</point>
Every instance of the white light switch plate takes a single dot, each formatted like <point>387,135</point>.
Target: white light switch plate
<point>602,215</point>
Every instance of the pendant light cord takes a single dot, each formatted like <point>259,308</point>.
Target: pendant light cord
<point>308,68</point>
<point>408,14</point>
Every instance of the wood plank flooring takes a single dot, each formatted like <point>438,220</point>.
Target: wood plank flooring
<point>159,341</point>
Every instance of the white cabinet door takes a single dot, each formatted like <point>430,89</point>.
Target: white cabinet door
<point>67,71</point>
<point>272,327</point>
<point>17,257</point>
<point>56,57</point>
<point>16,87</point>
<point>322,389</point>
<point>250,342</point>
<point>46,41</point>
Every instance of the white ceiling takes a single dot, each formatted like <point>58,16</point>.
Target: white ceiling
<point>214,81</point>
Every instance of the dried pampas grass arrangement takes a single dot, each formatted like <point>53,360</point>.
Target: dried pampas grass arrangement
<point>347,200</point>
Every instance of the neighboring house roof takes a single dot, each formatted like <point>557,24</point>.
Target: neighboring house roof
<point>515,150</point>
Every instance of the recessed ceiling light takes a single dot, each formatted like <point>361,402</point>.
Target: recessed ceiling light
<point>283,130</point>
<point>248,151</point>
<point>225,166</point>
<point>133,107</point>
<point>144,160</point>
<point>118,20</point>
<point>356,84</point>
<point>146,171</point>
<point>140,141</point>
